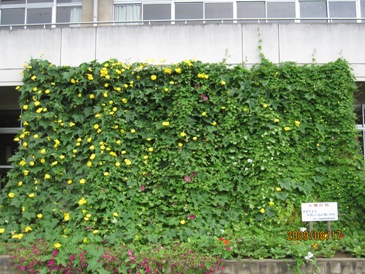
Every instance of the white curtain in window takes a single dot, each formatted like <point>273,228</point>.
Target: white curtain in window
<point>127,13</point>
<point>75,15</point>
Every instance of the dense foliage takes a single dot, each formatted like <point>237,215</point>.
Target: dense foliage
<point>138,153</point>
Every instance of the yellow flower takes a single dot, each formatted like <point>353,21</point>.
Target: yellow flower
<point>69,181</point>
<point>195,138</point>
<point>153,77</point>
<point>178,70</point>
<point>182,222</point>
<point>286,128</point>
<point>127,162</point>
<point>62,157</point>
<point>182,134</point>
<point>180,144</point>
<point>57,245</point>
<point>150,149</point>
<point>36,136</point>
<point>82,201</point>
<point>39,216</point>
<point>106,173</point>
<point>17,236</point>
<point>20,183</point>
<point>31,195</point>
<point>25,172</point>
<point>25,107</point>
<point>71,124</point>
<point>165,124</point>
<point>11,195</point>
<point>2,230</point>
<point>204,113</point>
<point>214,123</point>
<point>16,139</point>
<point>25,144</point>
<point>133,130</point>
<point>124,100</point>
<point>47,176</point>
<point>167,70</point>
<point>117,164</point>
<point>278,189</point>
<point>73,81</point>
<point>89,164</point>
<point>92,156</point>
<point>264,105</point>
<point>66,216</point>
<point>96,231</point>
<point>297,123</point>
<point>115,214</point>
<point>27,229</point>
<point>22,163</point>
<point>84,240</point>
<point>23,208</point>
<point>43,151</point>
<point>223,83</point>
<point>271,203</point>
<point>33,77</point>
<point>82,181</point>
<point>276,120</point>
<point>262,210</point>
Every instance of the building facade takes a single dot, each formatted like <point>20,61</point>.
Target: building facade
<point>69,32</point>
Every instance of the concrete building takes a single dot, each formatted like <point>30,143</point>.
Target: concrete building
<point>69,32</point>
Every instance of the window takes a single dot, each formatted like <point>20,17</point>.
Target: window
<point>362,4</point>
<point>251,10</point>
<point>342,9</point>
<point>40,12</point>
<point>9,126</point>
<point>130,12</point>
<point>157,12</point>
<point>39,16</point>
<point>12,16</point>
<point>188,11</point>
<point>313,9</point>
<point>218,10</point>
<point>281,10</point>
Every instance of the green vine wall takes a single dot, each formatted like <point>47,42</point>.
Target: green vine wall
<point>144,153</point>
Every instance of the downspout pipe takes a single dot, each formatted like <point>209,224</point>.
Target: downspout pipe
<point>95,12</point>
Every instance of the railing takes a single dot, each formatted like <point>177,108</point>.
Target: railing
<point>189,21</point>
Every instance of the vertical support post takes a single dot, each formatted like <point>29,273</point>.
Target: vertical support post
<point>329,227</point>
<point>310,226</point>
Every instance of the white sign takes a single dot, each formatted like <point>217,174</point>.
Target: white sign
<point>319,212</point>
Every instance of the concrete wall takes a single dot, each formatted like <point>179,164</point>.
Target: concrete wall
<point>238,43</point>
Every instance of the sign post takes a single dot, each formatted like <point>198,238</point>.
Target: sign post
<point>319,212</point>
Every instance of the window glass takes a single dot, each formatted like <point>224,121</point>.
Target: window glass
<point>69,14</point>
<point>35,16</point>
<point>189,10</point>
<point>4,2</point>
<point>342,9</point>
<point>39,1</point>
<point>12,16</point>
<point>313,9</point>
<point>362,4</point>
<point>157,12</point>
<point>251,10</point>
<point>280,10</point>
<point>127,12</point>
<point>69,1</point>
<point>218,10</point>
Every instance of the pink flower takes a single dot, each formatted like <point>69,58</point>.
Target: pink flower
<point>187,179</point>
<point>141,188</point>
<point>72,257</point>
<point>192,217</point>
<point>204,97</point>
